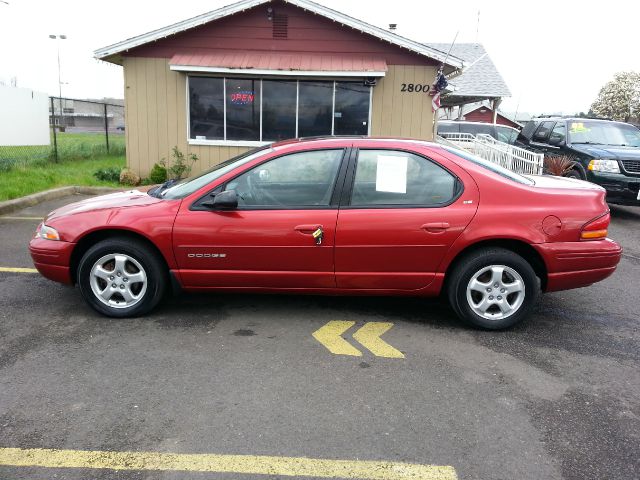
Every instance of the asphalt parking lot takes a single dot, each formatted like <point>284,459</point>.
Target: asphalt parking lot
<point>242,381</point>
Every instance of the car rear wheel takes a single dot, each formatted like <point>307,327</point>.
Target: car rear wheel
<point>493,288</point>
<point>121,277</point>
<point>573,174</point>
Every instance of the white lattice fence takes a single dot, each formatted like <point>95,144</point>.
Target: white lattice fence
<point>508,156</point>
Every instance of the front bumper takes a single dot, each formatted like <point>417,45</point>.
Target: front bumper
<point>52,259</point>
<point>578,264</point>
<point>621,189</point>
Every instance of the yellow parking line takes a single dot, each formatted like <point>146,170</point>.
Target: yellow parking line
<point>18,270</point>
<point>22,218</point>
<point>244,464</point>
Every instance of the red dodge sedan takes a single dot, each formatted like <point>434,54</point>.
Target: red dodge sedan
<point>338,216</point>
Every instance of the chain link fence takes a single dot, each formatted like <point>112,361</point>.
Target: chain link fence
<point>79,129</point>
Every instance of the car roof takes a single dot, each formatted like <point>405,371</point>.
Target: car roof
<point>577,119</point>
<point>343,140</point>
<point>468,122</point>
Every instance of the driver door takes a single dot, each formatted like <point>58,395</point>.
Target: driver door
<point>267,241</point>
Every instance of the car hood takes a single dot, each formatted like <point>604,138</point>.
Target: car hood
<point>131,198</point>
<point>608,151</point>
<point>551,181</point>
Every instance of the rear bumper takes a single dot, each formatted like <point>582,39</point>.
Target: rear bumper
<point>578,264</point>
<point>52,259</point>
<point>621,189</point>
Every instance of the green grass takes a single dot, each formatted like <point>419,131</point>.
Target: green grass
<point>23,180</point>
<point>71,146</point>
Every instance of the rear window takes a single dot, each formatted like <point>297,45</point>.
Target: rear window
<point>477,128</point>
<point>506,134</point>
<point>529,128</point>
<point>503,172</point>
<point>448,128</point>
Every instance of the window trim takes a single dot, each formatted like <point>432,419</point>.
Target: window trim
<point>347,193</point>
<point>336,194</point>
<point>258,143</point>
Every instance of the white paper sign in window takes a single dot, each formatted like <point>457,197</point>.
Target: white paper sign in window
<point>391,174</point>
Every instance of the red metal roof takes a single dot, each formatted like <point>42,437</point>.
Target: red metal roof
<point>279,61</point>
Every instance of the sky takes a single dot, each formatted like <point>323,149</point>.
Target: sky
<point>554,55</point>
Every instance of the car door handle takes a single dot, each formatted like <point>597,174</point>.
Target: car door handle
<point>308,229</point>
<point>435,227</point>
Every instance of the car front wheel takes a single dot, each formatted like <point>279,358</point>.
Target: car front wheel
<point>121,277</point>
<point>493,288</point>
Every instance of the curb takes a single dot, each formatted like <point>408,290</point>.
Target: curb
<point>11,206</point>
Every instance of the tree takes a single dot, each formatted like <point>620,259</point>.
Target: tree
<point>619,99</point>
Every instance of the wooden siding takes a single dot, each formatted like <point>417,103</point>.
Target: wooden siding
<point>402,114</point>
<point>156,112</point>
<point>251,31</point>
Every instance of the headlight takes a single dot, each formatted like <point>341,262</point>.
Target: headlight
<point>609,166</point>
<point>46,232</point>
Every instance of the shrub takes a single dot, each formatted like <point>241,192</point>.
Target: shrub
<point>179,167</point>
<point>111,174</point>
<point>129,177</point>
<point>558,165</point>
<point>158,173</point>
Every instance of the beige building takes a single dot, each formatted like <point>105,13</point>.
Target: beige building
<point>260,71</point>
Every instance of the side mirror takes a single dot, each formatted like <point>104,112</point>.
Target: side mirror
<point>227,200</point>
<point>556,141</point>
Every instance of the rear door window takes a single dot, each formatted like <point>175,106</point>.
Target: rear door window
<point>542,133</point>
<point>390,177</point>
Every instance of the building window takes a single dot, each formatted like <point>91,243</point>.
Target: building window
<point>279,109</point>
<point>351,109</point>
<point>315,107</point>
<point>256,110</point>
<point>242,100</point>
<point>206,103</point>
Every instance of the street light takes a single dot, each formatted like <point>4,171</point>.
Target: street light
<point>58,38</point>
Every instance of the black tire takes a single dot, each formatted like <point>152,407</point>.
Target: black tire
<point>476,262</point>
<point>145,295</point>
<point>573,174</point>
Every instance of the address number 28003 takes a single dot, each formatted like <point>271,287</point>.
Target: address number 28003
<point>415,87</point>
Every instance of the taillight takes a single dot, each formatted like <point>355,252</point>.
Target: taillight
<point>596,229</point>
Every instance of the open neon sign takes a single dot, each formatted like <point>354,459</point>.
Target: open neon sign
<point>244,97</point>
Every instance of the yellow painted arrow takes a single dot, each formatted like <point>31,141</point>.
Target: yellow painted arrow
<point>369,337</point>
<point>329,335</point>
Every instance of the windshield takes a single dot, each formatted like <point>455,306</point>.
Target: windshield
<point>495,168</point>
<point>189,185</point>
<point>604,133</point>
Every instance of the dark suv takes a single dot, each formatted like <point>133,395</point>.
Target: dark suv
<point>605,152</point>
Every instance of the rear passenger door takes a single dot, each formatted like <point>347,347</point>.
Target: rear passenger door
<point>399,214</point>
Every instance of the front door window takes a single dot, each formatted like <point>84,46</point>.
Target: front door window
<point>305,179</point>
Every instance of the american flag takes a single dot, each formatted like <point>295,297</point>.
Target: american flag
<point>439,85</point>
